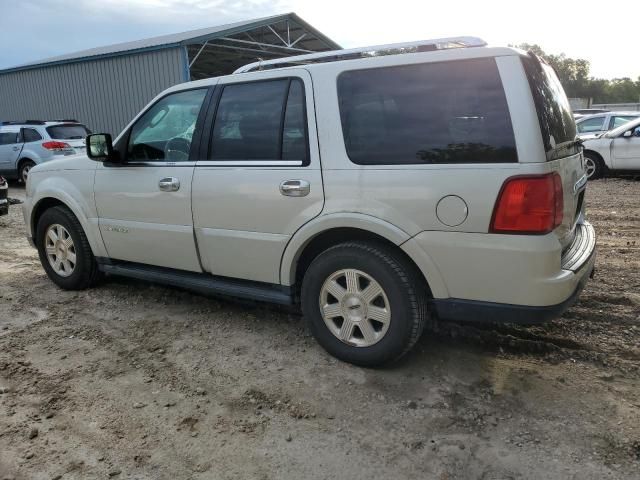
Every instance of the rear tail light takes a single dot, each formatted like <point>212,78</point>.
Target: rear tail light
<point>531,204</point>
<point>56,146</point>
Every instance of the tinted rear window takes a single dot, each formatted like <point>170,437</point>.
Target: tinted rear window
<point>67,132</point>
<point>449,112</point>
<point>557,124</point>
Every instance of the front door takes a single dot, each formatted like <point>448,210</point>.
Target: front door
<point>10,148</point>
<point>260,179</point>
<point>144,203</point>
<point>626,151</point>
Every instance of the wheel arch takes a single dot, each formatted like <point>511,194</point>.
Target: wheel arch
<point>51,200</point>
<point>309,242</point>
<point>597,155</point>
<point>21,161</point>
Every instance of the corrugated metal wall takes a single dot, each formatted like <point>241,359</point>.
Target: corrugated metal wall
<point>105,94</point>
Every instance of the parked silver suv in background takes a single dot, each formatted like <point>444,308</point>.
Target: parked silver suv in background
<point>372,187</point>
<point>26,144</point>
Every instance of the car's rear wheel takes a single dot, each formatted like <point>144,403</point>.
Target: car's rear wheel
<point>364,303</point>
<point>64,250</point>
<point>593,166</point>
<point>25,167</point>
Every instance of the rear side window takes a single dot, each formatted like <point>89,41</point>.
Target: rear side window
<point>591,125</point>
<point>446,112</point>
<point>30,135</point>
<point>557,124</point>
<point>68,132</point>
<point>8,138</point>
<point>262,120</point>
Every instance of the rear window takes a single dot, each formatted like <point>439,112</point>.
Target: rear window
<point>446,112</point>
<point>68,132</point>
<point>557,124</point>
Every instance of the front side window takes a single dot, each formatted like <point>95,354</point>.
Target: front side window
<point>262,120</point>
<point>30,135</point>
<point>587,125</point>
<point>618,121</point>
<point>446,112</point>
<point>165,131</point>
<point>8,138</point>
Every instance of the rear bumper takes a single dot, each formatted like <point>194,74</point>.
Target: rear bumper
<point>455,309</point>
<point>514,279</point>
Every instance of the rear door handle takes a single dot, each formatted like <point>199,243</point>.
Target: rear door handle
<point>169,184</point>
<point>295,188</point>
<point>16,148</point>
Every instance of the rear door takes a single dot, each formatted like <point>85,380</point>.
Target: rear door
<point>261,180</point>
<point>10,148</point>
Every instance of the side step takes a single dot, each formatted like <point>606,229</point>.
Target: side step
<point>202,282</point>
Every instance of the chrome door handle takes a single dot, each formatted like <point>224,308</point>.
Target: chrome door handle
<point>295,188</point>
<point>169,184</point>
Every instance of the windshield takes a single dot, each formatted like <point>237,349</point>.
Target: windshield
<point>616,132</point>
<point>557,124</point>
<point>68,132</point>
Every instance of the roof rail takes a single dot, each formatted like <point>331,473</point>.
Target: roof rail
<point>23,122</point>
<point>365,52</point>
<point>68,120</point>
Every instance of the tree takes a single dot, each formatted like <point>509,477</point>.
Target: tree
<point>574,76</point>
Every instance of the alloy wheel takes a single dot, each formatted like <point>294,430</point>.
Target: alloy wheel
<point>355,307</point>
<point>60,250</point>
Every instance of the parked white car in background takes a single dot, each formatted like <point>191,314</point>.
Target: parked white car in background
<point>373,191</point>
<point>617,150</point>
<point>590,126</point>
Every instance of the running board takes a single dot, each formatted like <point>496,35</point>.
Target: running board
<point>202,282</point>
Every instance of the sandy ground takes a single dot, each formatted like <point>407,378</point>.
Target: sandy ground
<point>130,380</point>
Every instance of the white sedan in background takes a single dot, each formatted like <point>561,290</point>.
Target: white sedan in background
<point>618,149</point>
<point>590,126</point>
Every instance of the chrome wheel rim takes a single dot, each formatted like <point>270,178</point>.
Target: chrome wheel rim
<point>25,172</point>
<point>590,166</point>
<point>355,308</point>
<point>60,250</point>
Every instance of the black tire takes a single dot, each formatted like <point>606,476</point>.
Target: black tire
<point>598,165</point>
<point>85,273</point>
<point>25,166</point>
<point>402,284</point>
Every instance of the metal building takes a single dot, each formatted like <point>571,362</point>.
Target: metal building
<point>106,87</point>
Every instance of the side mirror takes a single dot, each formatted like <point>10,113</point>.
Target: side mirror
<point>628,134</point>
<point>100,147</point>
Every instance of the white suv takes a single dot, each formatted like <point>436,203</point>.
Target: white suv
<point>374,187</point>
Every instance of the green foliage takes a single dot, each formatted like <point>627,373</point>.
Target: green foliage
<point>574,76</point>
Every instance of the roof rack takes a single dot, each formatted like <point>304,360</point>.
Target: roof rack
<point>24,122</point>
<point>68,120</point>
<point>366,52</point>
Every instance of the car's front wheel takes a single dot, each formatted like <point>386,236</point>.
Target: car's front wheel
<point>64,250</point>
<point>364,303</point>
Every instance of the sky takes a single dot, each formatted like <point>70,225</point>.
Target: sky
<point>45,28</point>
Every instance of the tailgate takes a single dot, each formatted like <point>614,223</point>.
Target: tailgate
<point>574,182</point>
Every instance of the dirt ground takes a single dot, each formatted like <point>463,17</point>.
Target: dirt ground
<point>130,380</point>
